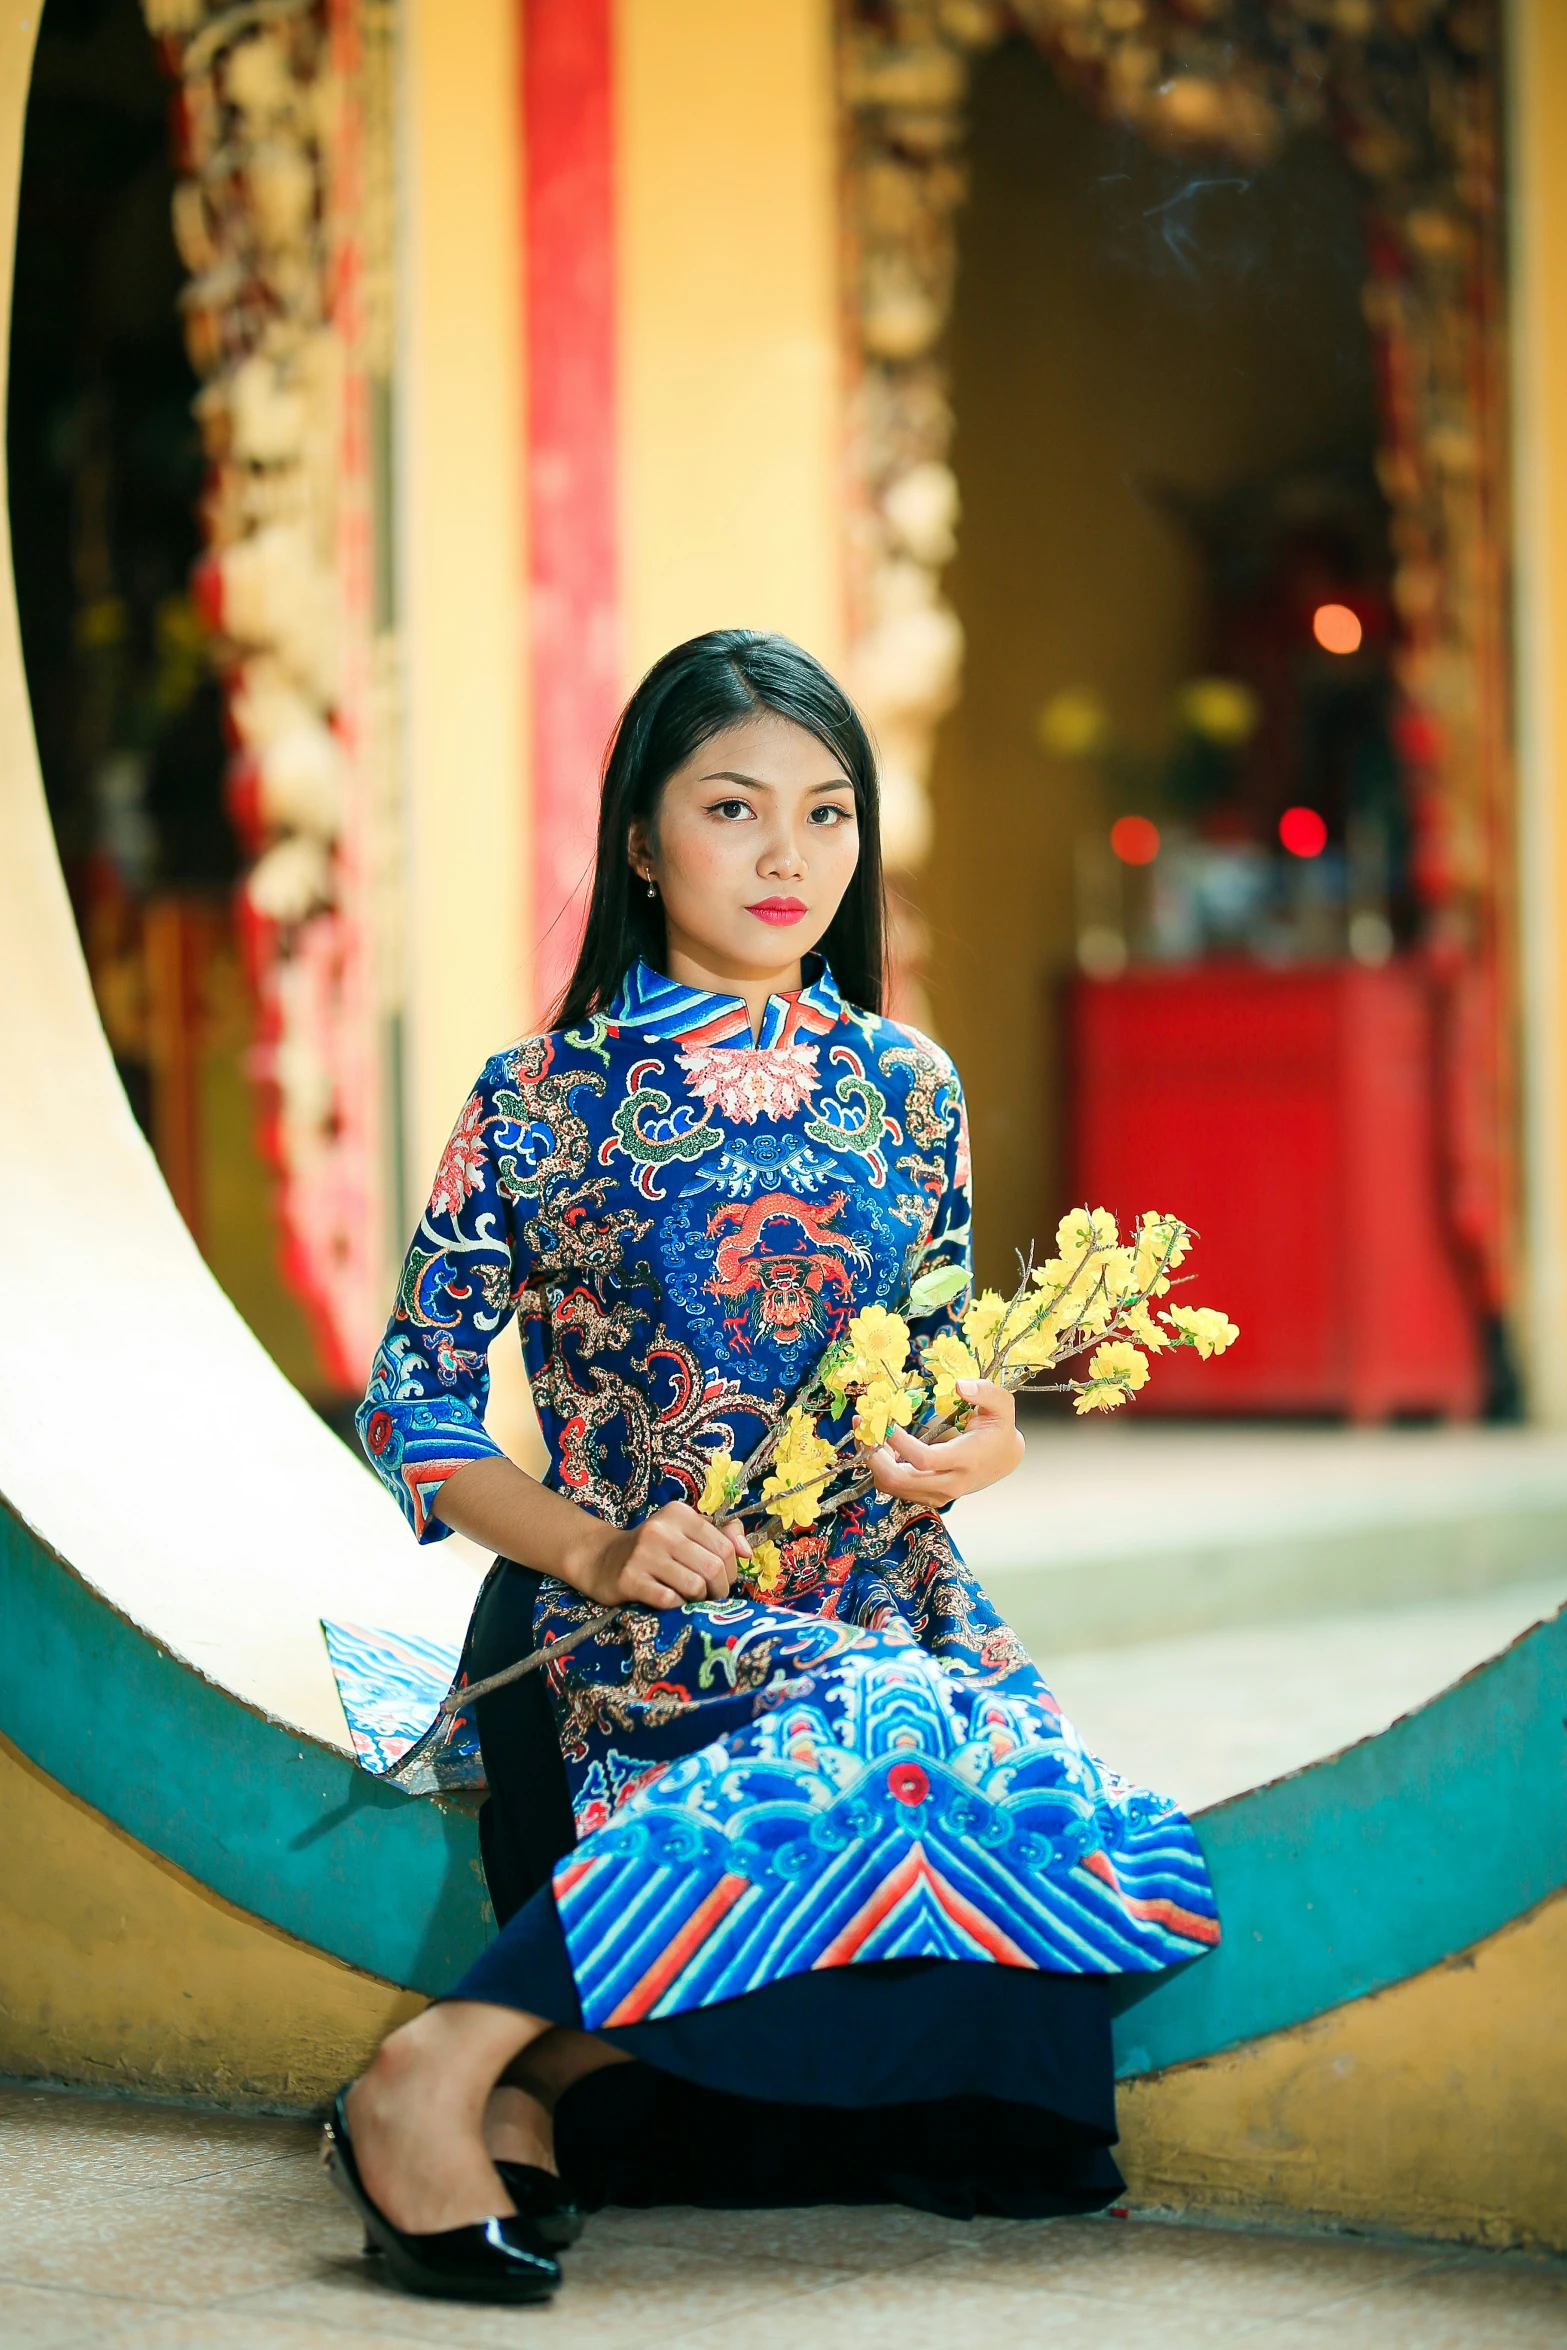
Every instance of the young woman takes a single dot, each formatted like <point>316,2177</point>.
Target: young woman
<point>809,1893</point>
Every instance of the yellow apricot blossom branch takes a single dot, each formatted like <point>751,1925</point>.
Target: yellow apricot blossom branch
<point>1096,1293</point>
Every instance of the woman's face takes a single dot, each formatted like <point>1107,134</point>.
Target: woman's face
<point>752,845</point>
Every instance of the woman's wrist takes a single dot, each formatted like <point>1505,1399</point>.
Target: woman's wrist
<point>502,1508</point>
<point>592,1559</point>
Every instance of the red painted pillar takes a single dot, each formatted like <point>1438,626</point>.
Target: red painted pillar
<point>568,190</point>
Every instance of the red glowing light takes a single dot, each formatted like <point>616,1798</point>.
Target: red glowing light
<point>1134,840</point>
<point>1303,832</point>
<point>1336,630</point>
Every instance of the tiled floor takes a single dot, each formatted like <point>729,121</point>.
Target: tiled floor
<point>147,2228</point>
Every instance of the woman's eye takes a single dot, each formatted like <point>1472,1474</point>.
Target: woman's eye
<point>828,816</point>
<point>731,809</point>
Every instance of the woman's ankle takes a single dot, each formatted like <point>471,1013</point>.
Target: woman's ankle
<point>517,2128</point>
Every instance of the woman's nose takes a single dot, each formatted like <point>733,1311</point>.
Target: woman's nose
<point>783,857</point>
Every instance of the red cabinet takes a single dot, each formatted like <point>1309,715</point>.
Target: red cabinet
<point>1290,1116</point>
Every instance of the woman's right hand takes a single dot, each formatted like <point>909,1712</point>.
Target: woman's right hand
<point>673,1556</point>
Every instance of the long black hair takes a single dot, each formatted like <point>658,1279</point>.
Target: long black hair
<point>693,693</point>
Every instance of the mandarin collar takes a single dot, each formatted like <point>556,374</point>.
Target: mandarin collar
<point>664,1009</point>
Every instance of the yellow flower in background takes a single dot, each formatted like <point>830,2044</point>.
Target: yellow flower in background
<point>1085,1228</point>
<point>722,1489</point>
<point>883,1401</point>
<point>765,1572</point>
<point>1074,724</point>
<point>982,1320</point>
<point>1115,1372</point>
<point>1220,709</point>
<point>803,1459</point>
<point>1203,1327</point>
<point>947,1360</point>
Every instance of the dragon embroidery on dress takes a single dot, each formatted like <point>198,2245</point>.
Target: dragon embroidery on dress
<point>782,1294</point>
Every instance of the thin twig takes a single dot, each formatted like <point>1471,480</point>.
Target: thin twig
<point>457,1701</point>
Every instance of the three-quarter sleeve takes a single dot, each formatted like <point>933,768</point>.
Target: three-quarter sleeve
<point>423,1412</point>
<point>951,1238</point>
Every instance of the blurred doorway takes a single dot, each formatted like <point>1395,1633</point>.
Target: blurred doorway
<point>1165,403</point>
<point>106,473</point>
<point>1204,337</point>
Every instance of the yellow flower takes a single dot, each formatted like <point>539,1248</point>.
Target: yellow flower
<point>802,1459</point>
<point>1220,709</point>
<point>948,1360</point>
<point>881,1344</point>
<point>722,1489</point>
<point>982,1320</point>
<point>1118,1270</point>
<point>1144,1328</point>
<point>1082,1229</point>
<point>1203,1327</point>
<point>1074,724</point>
<point>1068,1281</point>
<point>1119,1362</point>
<point>1115,1372</point>
<point>881,1401</point>
<point>1162,1243</point>
<point>1016,1317</point>
<point>765,1572</point>
<point>1040,1341</point>
<point>1097,1312</point>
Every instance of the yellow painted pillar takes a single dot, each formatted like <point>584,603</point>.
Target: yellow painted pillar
<point>1538,237</point>
<point>462,557</point>
<point>463,580</point>
<point>727,232</point>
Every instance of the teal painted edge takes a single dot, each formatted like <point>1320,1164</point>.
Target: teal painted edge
<point>267,1818</point>
<point>1347,1877</point>
<point>1367,1868</point>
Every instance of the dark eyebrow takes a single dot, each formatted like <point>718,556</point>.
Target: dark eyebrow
<point>730,775</point>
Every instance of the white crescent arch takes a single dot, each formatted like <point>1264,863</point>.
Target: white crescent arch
<point>145,1436</point>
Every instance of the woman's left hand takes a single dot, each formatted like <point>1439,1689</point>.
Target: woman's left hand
<point>989,1449</point>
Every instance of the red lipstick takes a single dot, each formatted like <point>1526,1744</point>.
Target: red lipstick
<point>780,911</point>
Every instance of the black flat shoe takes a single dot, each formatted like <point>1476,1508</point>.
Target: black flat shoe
<point>500,2259</point>
<point>545,2199</point>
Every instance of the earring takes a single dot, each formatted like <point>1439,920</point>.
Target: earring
<point>651,891</point>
